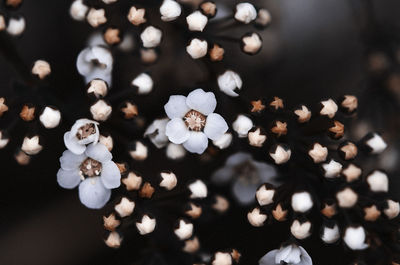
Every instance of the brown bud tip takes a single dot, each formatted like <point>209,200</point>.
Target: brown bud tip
<point>146,191</point>
<point>27,113</point>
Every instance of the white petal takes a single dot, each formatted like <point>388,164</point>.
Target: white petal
<point>72,144</point>
<point>305,258</point>
<point>197,142</point>
<point>68,179</point>
<point>215,127</point>
<point>244,193</point>
<point>269,258</point>
<point>70,161</point>
<point>237,158</point>
<point>204,102</point>
<point>98,152</point>
<point>177,131</point>
<point>282,254</point>
<point>93,194</point>
<point>110,175</point>
<point>156,132</point>
<point>222,175</point>
<point>176,107</point>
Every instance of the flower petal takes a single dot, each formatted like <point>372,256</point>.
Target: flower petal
<point>177,131</point>
<point>68,179</point>
<point>215,127</point>
<point>204,102</point>
<point>70,161</point>
<point>244,193</point>
<point>72,144</point>
<point>305,258</point>
<point>266,172</point>
<point>176,107</point>
<point>269,258</point>
<point>222,175</point>
<point>98,152</point>
<point>110,175</point>
<point>283,253</point>
<point>238,158</point>
<point>197,142</point>
<point>93,194</point>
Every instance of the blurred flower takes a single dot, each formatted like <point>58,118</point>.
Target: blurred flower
<point>290,255</point>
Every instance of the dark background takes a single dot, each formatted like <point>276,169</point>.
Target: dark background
<point>313,50</point>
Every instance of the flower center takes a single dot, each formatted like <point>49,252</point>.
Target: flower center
<point>194,120</point>
<point>85,131</point>
<point>97,63</point>
<point>247,173</point>
<point>90,168</point>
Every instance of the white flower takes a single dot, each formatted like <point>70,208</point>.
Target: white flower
<point>230,82</point>
<point>156,132</point>
<point>83,132</point>
<point>93,171</point>
<point>242,125</point>
<point>78,10</point>
<point>196,21</point>
<point>245,174</point>
<point>193,121</point>
<point>95,62</point>
<point>50,117</point>
<point>170,10</point>
<point>197,48</point>
<point>16,26</point>
<point>290,255</point>
<point>151,37</point>
<point>354,237</point>
<point>144,83</point>
<point>245,12</point>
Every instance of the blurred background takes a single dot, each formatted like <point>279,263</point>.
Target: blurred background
<point>311,51</point>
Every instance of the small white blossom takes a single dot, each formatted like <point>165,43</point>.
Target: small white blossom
<point>290,255</point>
<point>175,151</point>
<point>354,237</point>
<point>82,133</point>
<point>95,62</point>
<point>146,225</point>
<point>197,48</point>
<point>50,117</point>
<point>156,132</point>
<point>245,12</point>
<point>94,172</point>
<point>198,190</point>
<point>230,83</point>
<point>100,110</point>
<point>193,121</point>
<point>151,37</point>
<point>378,181</point>
<point>96,17</point>
<point>224,141</point>
<point>31,145</point>
<point>242,125</point>
<point>302,202</point>
<point>144,83</point>
<point>16,26</point>
<point>170,10</point>
<point>78,10</point>
<point>196,21</point>
<point>184,230</point>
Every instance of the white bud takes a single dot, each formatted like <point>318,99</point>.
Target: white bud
<point>107,141</point>
<point>281,154</point>
<point>196,21</point>
<point>242,125</point>
<point>332,169</point>
<point>300,231</point>
<point>78,10</point>
<point>151,37</point>
<point>265,196</point>
<point>347,198</point>
<point>393,209</point>
<point>197,48</point>
<point>113,240</point>
<point>377,144</point>
<point>170,10</point>
<point>100,110</point>
<point>50,117</point>
<point>146,225</point>
<point>378,181</point>
<point>354,237</point>
<point>222,258</point>
<point>3,140</point>
<point>175,151</point>
<point>256,218</point>
<point>96,17</point>
<point>125,207</point>
<point>41,68</point>
<point>198,190</point>
<point>140,151</point>
<point>31,145</point>
<point>330,235</point>
<point>184,230</point>
<point>169,180</point>
<point>245,12</point>
<point>224,141</point>
<point>229,82</point>
<point>98,87</point>
<point>144,83</point>
<point>16,26</point>
<point>302,202</point>
<point>251,43</point>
